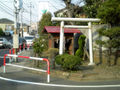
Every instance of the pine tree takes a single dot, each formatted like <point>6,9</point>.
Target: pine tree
<point>45,21</point>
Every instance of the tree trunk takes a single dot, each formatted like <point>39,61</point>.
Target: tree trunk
<point>116,57</point>
<point>100,54</point>
<point>109,57</point>
<point>36,63</point>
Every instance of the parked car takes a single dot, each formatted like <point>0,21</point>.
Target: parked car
<point>29,40</point>
<point>9,44</point>
<point>22,41</point>
<point>3,42</point>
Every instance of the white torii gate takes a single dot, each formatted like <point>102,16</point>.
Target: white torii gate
<point>62,26</point>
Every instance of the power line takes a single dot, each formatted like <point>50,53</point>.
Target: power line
<point>9,13</point>
<point>6,6</point>
<point>27,11</point>
<point>4,10</point>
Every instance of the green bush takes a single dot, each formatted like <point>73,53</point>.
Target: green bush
<point>81,42</point>
<point>51,53</point>
<point>40,45</point>
<point>68,62</point>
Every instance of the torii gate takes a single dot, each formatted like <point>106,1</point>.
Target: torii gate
<point>62,26</point>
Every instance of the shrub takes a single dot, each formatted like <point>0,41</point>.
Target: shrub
<point>80,50</point>
<point>45,21</point>
<point>51,54</point>
<point>40,45</point>
<point>68,62</point>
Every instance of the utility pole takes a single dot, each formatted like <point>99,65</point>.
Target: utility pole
<point>17,6</point>
<point>30,13</point>
<point>22,22</point>
<point>30,16</point>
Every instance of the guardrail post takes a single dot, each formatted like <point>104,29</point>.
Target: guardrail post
<point>4,63</point>
<point>28,46</point>
<point>32,58</point>
<point>20,48</point>
<point>13,51</point>
<point>24,46</point>
<point>48,69</point>
<point>10,57</point>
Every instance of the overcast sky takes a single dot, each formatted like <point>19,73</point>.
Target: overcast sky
<point>7,8</point>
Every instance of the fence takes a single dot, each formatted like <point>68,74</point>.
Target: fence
<point>32,58</point>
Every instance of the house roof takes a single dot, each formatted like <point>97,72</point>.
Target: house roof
<point>61,10</point>
<point>56,29</point>
<point>6,21</point>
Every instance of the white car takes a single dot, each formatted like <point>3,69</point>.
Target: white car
<point>29,40</point>
<point>3,42</point>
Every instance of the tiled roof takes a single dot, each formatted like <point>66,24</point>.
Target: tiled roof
<point>56,29</point>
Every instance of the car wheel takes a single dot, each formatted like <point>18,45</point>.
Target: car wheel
<point>3,47</point>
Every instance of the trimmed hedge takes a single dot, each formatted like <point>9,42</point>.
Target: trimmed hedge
<point>68,62</point>
<point>81,42</point>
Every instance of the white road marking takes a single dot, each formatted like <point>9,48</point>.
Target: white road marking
<point>58,85</point>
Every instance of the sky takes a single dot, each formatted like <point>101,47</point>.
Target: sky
<point>7,8</point>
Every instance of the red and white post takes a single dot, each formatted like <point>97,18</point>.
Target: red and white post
<point>10,57</point>
<point>20,48</point>
<point>32,58</point>
<point>24,46</point>
<point>28,46</point>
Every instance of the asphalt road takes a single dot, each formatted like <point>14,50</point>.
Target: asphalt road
<point>38,82</point>
<point>2,53</point>
<point>14,86</point>
<point>27,76</point>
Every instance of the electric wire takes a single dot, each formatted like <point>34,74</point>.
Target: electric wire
<point>7,10</point>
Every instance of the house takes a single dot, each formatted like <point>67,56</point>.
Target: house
<point>54,35</point>
<point>25,30</point>
<point>63,13</point>
<point>6,24</point>
<point>33,29</point>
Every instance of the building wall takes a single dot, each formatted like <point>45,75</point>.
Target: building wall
<point>2,26</point>
<point>7,26</point>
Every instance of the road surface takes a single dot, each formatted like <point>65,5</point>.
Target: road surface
<point>19,79</point>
